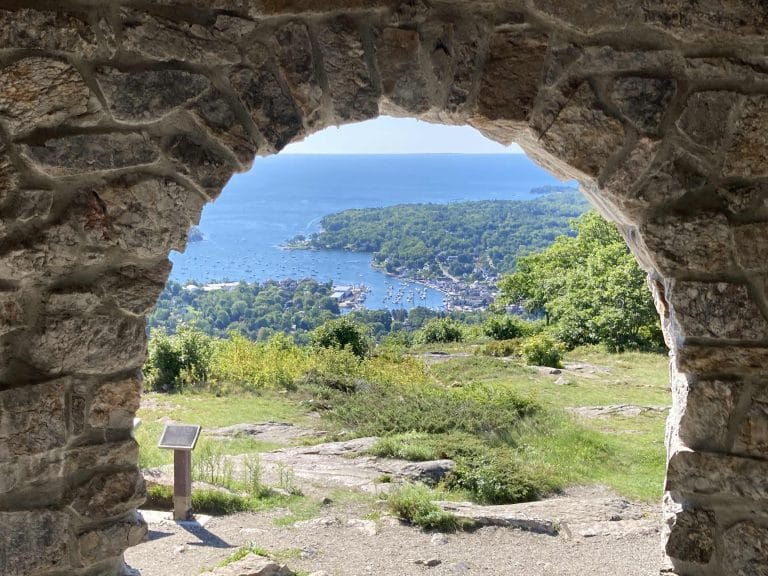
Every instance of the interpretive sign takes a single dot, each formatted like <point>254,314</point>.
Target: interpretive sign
<point>179,437</point>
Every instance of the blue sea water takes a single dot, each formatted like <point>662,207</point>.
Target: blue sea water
<point>282,196</point>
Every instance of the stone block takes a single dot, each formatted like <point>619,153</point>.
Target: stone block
<point>752,245</point>
<point>719,310</point>
<point>722,359</point>
<point>468,47</point>
<point>709,20</point>
<point>33,542</point>
<point>87,343</point>
<point>708,409</point>
<point>351,87</point>
<point>49,31</point>
<point>223,125</point>
<point>109,495</point>
<point>717,475</point>
<point>136,289</point>
<point>752,438</point>
<point>127,215</point>
<point>689,244</point>
<point>251,565</point>
<point>643,100</point>
<point>398,54</point>
<point>84,153</point>
<point>692,536</point>
<point>583,120</point>
<point>295,55</point>
<point>277,7</point>
<point>114,404</point>
<point>602,15</point>
<point>745,157</point>
<point>39,477</point>
<point>11,313</point>
<point>147,95</point>
<point>625,186</point>
<point>40,93</point>
<point>745,549</point>
<point>705,118</point>
<point>97,545</point>
<point>272,111</point>
<point>511,76</point>
<point>213,43</point>
<point>32,420</point>
<point>196,158</point>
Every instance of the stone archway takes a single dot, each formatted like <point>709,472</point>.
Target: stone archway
<point>119,122</point>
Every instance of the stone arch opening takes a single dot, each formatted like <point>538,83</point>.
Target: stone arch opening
<point>118,123</point>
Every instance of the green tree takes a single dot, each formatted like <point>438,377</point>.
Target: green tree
<point>440,330</point>
<point>589,288</point>
<point>342,333</point>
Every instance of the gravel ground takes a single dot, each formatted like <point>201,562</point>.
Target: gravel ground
<point>387,547</point>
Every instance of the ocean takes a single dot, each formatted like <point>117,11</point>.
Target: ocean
<point>282,196</point>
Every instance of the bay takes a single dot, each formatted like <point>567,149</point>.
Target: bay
<point>283,196</point>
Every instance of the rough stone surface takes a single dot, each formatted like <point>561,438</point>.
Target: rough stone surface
<point>251,566</point>
<point>745,548</point>
<point>716,310</point>
<point>118,122</point>
<point>33,541</point>
<point>40,93</point>
<point>692,536</point>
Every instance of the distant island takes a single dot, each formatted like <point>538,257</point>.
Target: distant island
<point>460,248</point>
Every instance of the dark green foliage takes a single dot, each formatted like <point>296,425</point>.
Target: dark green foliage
<point>496,477</point>
<point>254,310</point>
<point>589,288</point>
<point>464,239</point>
<point>440,330</point>
<point>505,327</point>
<point>177,361</point>
<point>379,409</point>
<point>342,333</point>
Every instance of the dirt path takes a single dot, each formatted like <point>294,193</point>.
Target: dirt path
<point>587,531</point>
<point>343,543</point>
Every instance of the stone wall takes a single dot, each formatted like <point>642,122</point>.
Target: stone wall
<point>120,120</point>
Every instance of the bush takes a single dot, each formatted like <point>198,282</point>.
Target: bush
<point>414,504</point>
<point>277,363</point>
<point>497,478</point>
<point>542,350</point>
<point>505,327</point>
<point>501,348</point>
<point>178,361</point>
<point>342,333</point>
<point>440,330</point>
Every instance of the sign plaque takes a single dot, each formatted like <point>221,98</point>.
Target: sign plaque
<point>181,438</point>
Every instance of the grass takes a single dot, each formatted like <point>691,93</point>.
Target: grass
<point>505,424</point>
<point>219,502</point>
<point>253,548</point>
<point>415,504</point>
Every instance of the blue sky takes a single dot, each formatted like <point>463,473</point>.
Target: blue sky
<point>386,135</point>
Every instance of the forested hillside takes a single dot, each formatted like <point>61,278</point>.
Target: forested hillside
<point>469,240</point>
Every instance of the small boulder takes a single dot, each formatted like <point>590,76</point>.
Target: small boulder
<point>430,472</point>
<point>251,565</point>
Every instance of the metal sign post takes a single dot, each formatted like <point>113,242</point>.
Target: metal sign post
<point>181,438</point>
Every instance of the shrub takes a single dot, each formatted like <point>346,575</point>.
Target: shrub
<point>342,333</point>
<point>500,348</point>
<point>542,350</point>
<point>414,504</point>
<point>505,327</point>
<point>440,330</point>
<point>497,478</point>
<point>175,362</point>
<point>277,363</point>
